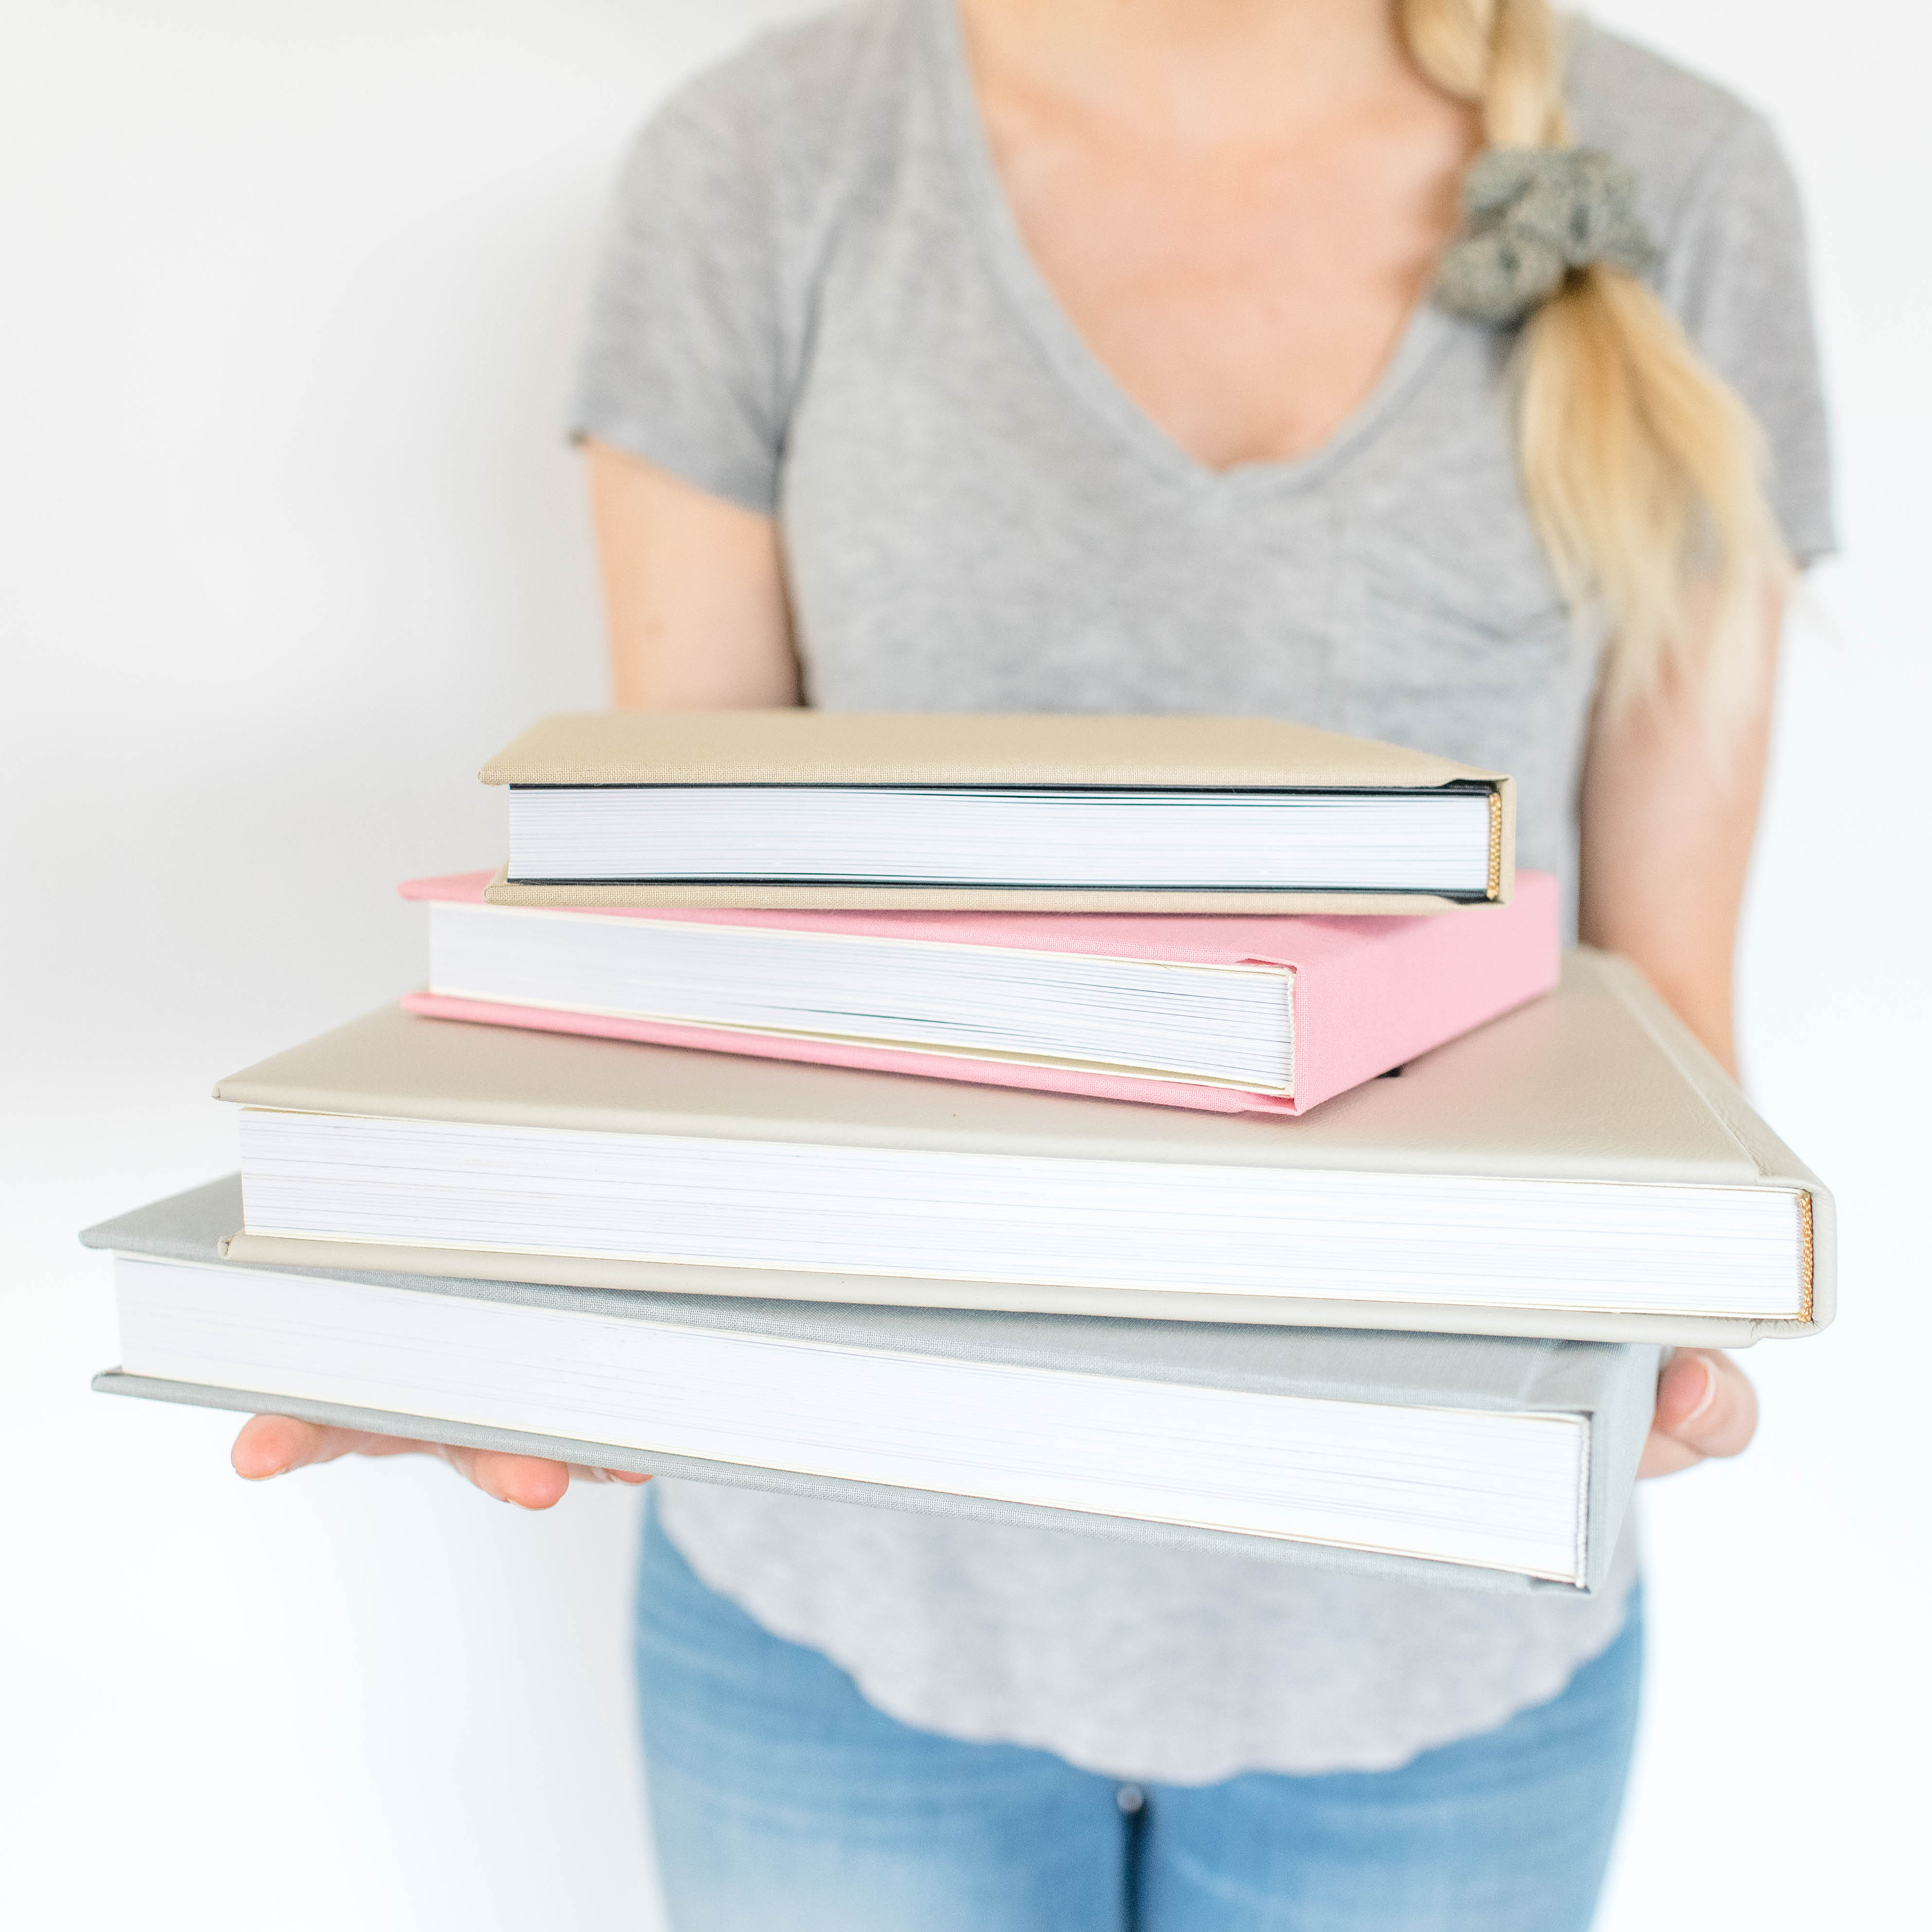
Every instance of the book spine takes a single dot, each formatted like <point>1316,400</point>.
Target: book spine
<point>1404,987</point>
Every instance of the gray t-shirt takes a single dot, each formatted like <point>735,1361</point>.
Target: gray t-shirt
<point>814,301</point>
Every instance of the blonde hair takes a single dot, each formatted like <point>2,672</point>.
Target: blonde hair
<point>1640,467</point>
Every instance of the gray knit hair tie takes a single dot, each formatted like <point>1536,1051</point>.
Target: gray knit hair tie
<point>1530,216</point>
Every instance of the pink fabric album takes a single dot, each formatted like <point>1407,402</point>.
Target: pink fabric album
<point>1366,994</point>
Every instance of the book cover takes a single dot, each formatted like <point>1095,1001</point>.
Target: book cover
<point>1646,1166</point>
<point>1609,1389</point>
<point>1366,995</point>
<point>801,747</point>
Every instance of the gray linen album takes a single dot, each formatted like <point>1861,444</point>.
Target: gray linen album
<point>1486,1461</point>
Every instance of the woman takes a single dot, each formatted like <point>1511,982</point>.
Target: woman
<point>1137,355</point>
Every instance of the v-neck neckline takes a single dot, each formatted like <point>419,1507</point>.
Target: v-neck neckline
<point>1072,357</point>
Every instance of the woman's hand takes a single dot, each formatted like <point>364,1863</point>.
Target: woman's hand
<point>271,1445</point>
<point>1706,1406</point>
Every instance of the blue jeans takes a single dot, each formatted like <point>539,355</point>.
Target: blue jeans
<point>782,1802</point>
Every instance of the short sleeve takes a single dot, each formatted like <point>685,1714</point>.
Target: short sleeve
<point>1735,272</point>
<point>683,361</point>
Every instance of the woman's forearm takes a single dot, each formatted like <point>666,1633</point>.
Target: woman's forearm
<point>694,590</point>
<point>1668,820</point>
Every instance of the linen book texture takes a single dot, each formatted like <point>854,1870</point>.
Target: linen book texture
<point>1599,1394</point>
<point>1580,1168</point>
<point>977,771</point>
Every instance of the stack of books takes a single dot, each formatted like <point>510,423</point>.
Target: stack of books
<point>1170,1127</point>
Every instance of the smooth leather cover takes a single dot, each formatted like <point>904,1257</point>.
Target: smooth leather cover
<point>1368,994</point>
<point>804,747</point>
<point>1600,1081</point>
<point>1614,1386</point>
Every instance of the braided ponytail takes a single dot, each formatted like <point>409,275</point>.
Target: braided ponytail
<point>1640,468</point>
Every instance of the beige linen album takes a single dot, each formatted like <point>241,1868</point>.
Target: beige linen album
<point>1580,1168</point>
<point>1059,813</point>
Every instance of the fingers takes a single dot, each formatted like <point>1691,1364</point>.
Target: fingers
<point>580,1474</point>
<point>1706,1406</point>
<point>271,1445</point>
<point>530,1482</point>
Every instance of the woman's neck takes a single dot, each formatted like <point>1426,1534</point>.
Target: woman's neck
<point>1237,203</point>
<point>1215,72</point>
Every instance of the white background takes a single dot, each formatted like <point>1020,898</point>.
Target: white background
<point>288,542</point>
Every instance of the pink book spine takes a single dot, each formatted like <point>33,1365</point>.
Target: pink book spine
<point>1412,984</point>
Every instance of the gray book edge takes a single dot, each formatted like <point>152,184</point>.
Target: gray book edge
<point>970,1509</point>
<point>1612,1385</point>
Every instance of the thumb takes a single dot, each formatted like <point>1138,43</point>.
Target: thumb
<point>1706,1406</point>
